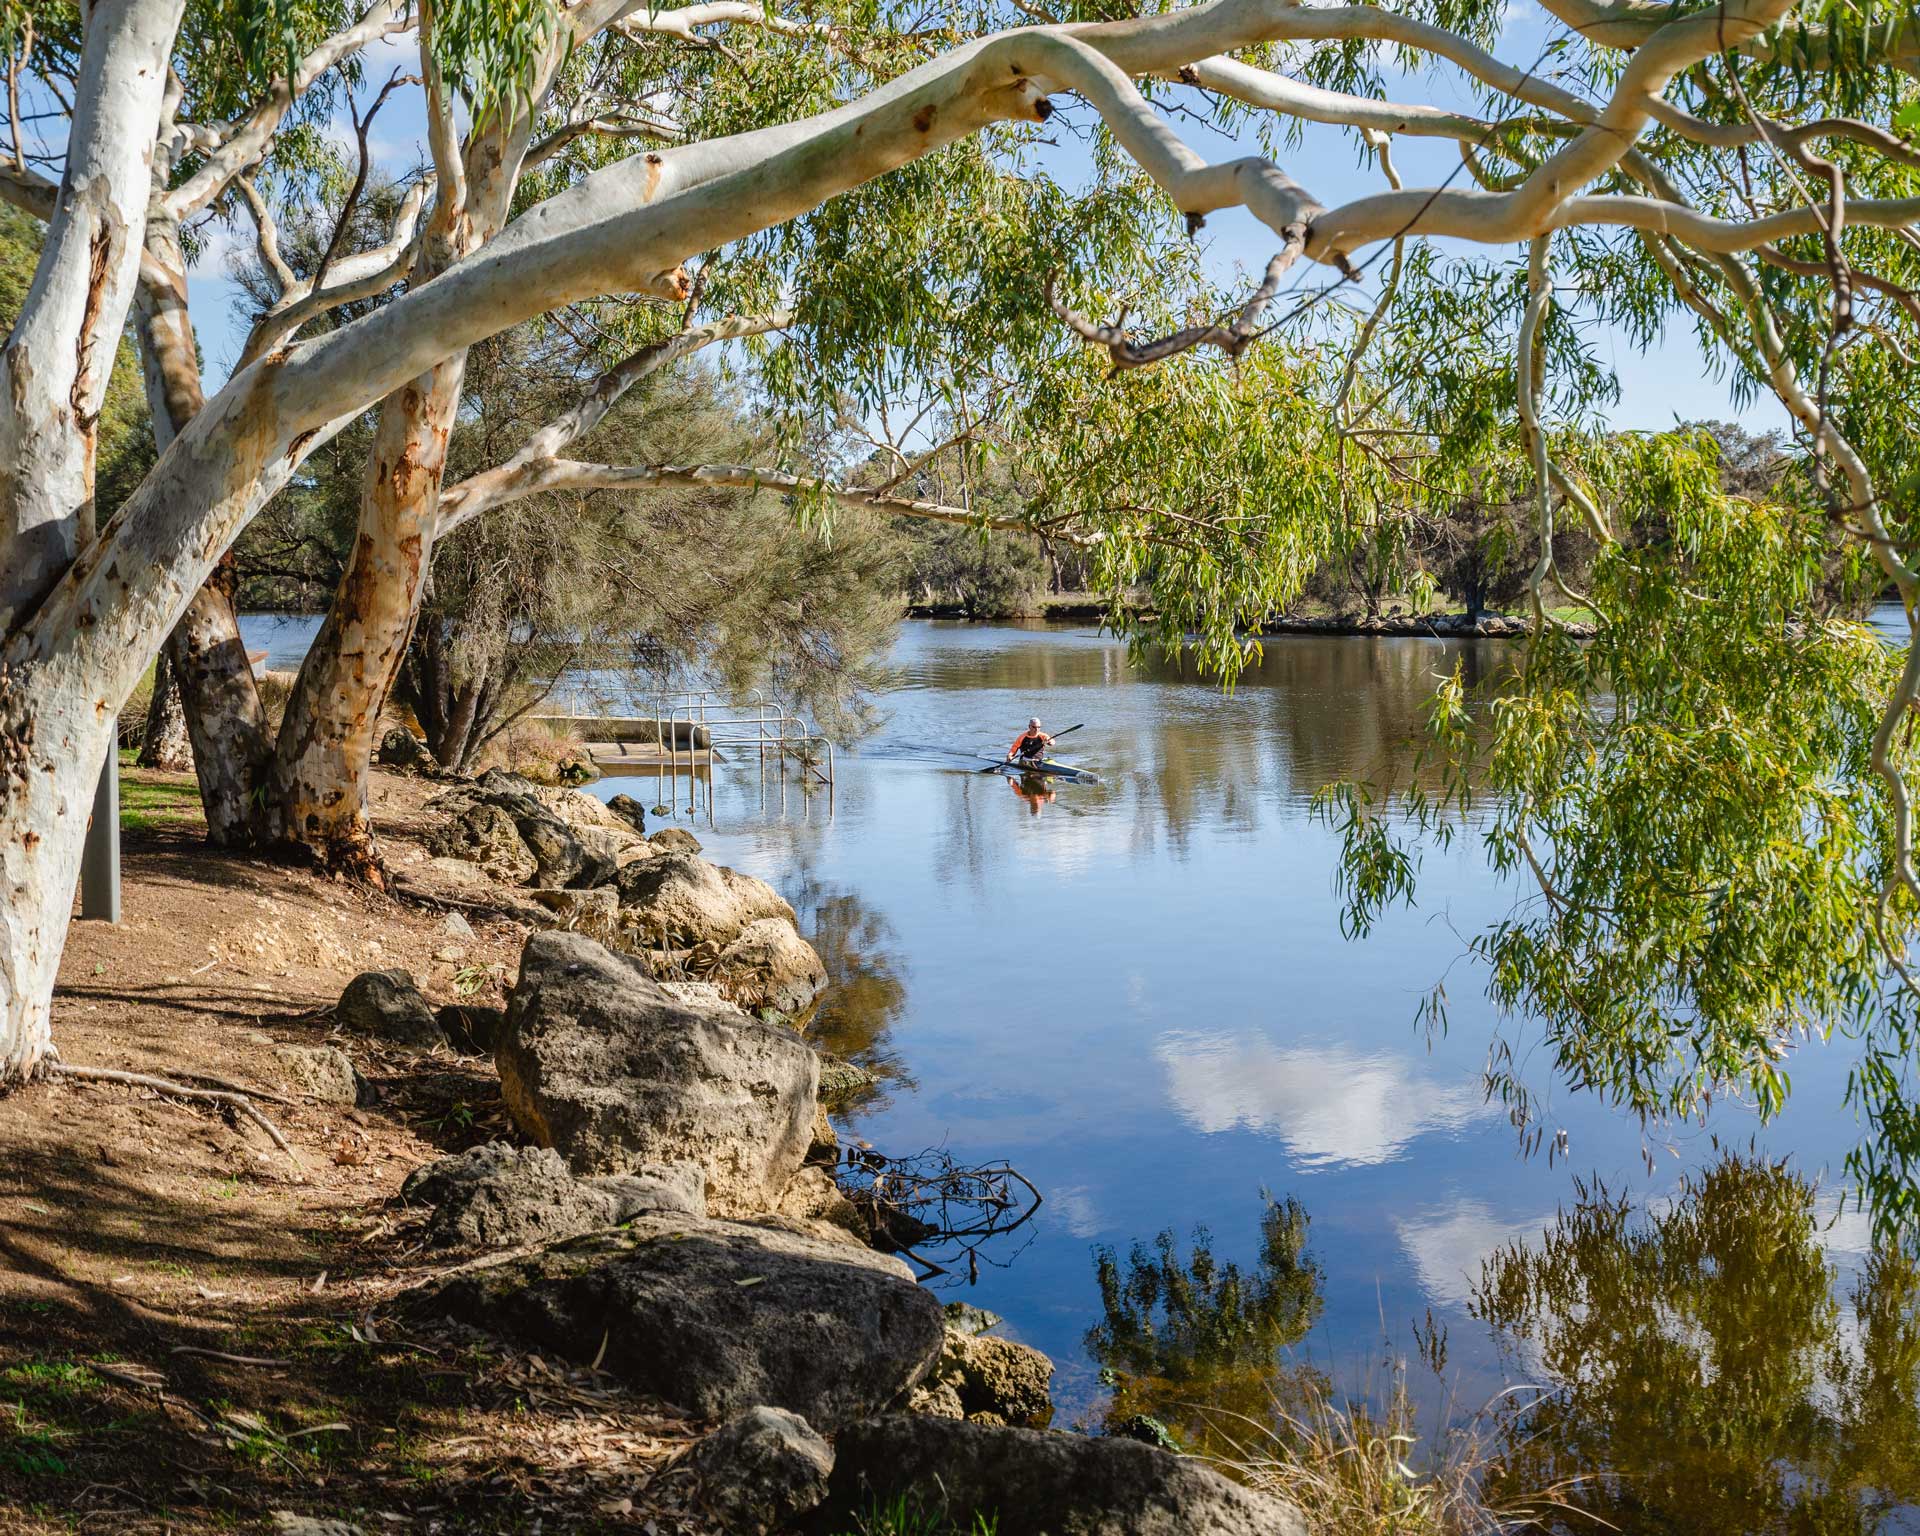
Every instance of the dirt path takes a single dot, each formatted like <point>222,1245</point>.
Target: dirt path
<point>141,1238</point>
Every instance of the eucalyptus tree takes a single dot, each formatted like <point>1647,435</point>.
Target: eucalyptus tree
<point>887,182</point>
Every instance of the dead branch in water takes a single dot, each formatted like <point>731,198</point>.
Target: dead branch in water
<point>928,1201</point>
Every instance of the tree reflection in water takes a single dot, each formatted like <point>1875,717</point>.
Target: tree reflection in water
<point>1190,1347</point>
<point>865,992</point>
<point>1703,1366</point>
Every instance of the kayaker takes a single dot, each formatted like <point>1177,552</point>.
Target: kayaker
<point>1030,746</point>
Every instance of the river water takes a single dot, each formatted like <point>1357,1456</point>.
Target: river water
<point>1138,994</point>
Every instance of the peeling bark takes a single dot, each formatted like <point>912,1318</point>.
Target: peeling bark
<point>325,750</point>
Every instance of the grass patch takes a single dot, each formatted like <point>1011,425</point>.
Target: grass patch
<point>153,804</point>
<point>906,1515</point>
<point>1361,1466</point>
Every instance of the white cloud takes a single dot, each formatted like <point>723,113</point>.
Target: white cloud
<point>1332,1105</point>
<point>1447,1247</point>
<point>1074,1205</point>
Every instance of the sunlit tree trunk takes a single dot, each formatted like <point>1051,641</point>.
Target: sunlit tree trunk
<point>325,750</point>
<point>218,698</point>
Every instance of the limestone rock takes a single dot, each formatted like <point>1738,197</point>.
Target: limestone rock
<point>631,811</point>
<point>964,1317</point>
<point>559,858</point>
<point>669,1189</point>
<point>761,1470</point>
<point>602,1065</point>
<point>841,1081</point>
<point>585,812</point>
<point>455,926</point>
<point>487,836</point>
<point>770,966</point>
<point>700,994</point>
<point>1040,1483</point>
<point>680,899</point>
<point>497,1196</point>
<point>288,1523</point>
<point>989,1380</point>
<point>322,1072</point>
<point>388,1006</point>
<point>675,840</point>
<point>812,1199</point>
<point>403,750</point>
<point>718,1317</point>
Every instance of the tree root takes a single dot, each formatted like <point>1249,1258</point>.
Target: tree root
<point>172,1089</point>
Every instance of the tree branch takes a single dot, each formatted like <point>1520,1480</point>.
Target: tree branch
<point>493,487</point>
<point>245,140</point>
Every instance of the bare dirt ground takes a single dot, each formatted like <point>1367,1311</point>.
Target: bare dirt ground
<point>197,1331</point>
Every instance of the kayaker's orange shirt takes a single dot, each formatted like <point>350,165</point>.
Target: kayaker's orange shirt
<point>1040,736</point>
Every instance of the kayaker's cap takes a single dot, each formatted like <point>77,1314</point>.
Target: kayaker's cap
<point>1034,723</point>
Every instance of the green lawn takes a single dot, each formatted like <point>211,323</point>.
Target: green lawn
<point>150,803</point>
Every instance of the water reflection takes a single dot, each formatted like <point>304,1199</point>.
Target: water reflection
<point>1705,1365</point>
<point>1189,1347</point>
<point>866,994</point>
<point>1332,1105</point>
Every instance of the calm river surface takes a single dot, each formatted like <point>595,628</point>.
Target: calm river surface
<point>1138,993</point>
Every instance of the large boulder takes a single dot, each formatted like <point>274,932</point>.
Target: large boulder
<point>770,966</point>
<point>681,899</point>
<point>758,1472</point>
<point>602,1065</point>
<point>402,750</point>
<point>717,1316</point>
<point>588,813</point>
<point>559,856</point>
<point>1039,1483</point>
<point>500,1196</point>
<point>485,835</point>
<point>387,1005</point>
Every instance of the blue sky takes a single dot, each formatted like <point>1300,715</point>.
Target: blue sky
<point>1659,387</point>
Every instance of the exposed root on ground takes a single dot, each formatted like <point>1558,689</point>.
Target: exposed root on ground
<point>175,1090</point>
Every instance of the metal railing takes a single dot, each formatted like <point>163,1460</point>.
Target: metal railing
<point>697,727</point>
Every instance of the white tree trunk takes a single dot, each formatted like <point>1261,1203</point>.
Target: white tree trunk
<point>60,354</point>
<point>56,723</point>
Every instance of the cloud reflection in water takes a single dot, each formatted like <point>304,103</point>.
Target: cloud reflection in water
<point>1333,1106</point>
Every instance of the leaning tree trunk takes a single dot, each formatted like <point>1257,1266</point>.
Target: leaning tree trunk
<point>218,697</point>
<point>55,728</point>
<point>321,762</point>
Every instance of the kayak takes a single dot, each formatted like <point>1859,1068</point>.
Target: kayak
<point>1046,768</point>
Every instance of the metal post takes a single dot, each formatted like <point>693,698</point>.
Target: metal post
<point>100,862</point>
